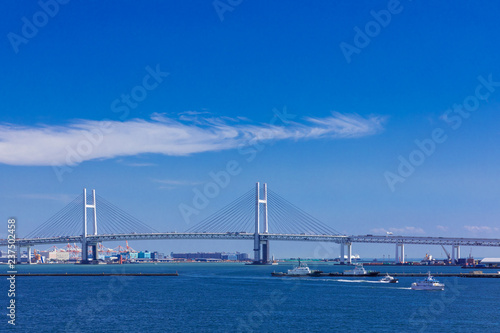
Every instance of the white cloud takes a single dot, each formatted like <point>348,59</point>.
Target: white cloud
<point>175,182</point>
<point>480,229</point>
<point>404,231</point>
<point>65,198</point>
<point>141,164</point>
<point>85,140</point>
<point>442,228</point>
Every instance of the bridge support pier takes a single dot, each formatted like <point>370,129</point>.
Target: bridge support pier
<point>94,251</point>
<point>455,254</point>
<point>29,254</point>
<point>18,254</point>
<point>396,256</point>
<point>85,252</point>
<point>256,249</point>
<point>349,253</point>
<point>265,252</point>
<point>402,253</point>
<point>342,255</point>
<point>399,258</point>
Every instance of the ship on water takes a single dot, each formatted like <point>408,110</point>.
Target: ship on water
<point>429,283</point>
<point>359,270</point>
<point>300,270</point>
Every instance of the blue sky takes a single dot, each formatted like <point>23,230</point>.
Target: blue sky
<point>205,86</point>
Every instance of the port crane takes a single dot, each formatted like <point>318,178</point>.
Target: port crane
<point>447,254</point>
<point>37,257</point>
<point>129,249</point>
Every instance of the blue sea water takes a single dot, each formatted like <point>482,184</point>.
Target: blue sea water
<point>230,297</point>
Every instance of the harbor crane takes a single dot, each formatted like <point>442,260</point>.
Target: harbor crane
<point>447,254</point>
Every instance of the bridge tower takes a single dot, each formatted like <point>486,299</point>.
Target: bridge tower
<point>85,243</point>
<point>261,245</point>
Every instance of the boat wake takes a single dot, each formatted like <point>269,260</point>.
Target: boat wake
<point>370,281</point>
<point>360,281</point>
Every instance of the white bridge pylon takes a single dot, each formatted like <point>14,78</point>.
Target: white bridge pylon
<point>261,246</point>
<point>85,243</point>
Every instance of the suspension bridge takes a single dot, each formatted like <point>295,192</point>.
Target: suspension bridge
<point>246,218</point>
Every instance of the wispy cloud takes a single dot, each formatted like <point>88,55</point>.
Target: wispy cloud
<point>141,164</point>
<point>89,139</point>
<point>64,198</point>
<point>175,182</point>
<point>194,113</point>
<point>442,228</point>
<point>408,230</point>
<point>135,164</point>
<point>480,229</point>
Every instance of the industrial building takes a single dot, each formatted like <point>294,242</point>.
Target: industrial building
<point>210,256</point>
<point>491,262</point>
<point>54,255</point>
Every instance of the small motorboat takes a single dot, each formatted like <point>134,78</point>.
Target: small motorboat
<point>388,279</point>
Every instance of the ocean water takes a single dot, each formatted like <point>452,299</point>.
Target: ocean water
<point>229,297</point>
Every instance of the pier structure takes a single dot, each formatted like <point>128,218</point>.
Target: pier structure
<point>343,257</point>
<point>455,253</point>
<point>259,215</point>
<point>399,258</point>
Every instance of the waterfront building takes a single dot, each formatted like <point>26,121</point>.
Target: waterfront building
<point>157,255</point>
<point>210,256</point>
<point>144,255</point>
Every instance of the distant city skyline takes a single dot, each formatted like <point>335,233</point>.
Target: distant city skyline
<point>373,117</point>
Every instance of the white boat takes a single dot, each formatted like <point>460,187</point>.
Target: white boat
<point>300,270</point>
<point>429,283</point>
<point>388,279</point>
<point>359,270</point>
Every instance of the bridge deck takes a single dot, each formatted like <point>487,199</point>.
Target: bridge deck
<point>274,237</point>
